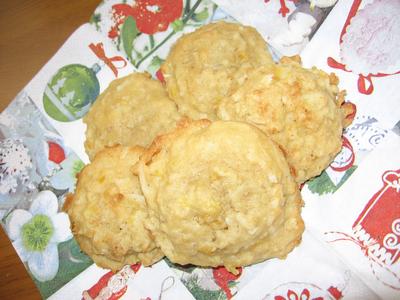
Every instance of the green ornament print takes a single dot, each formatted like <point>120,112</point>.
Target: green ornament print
<point>70,92</point>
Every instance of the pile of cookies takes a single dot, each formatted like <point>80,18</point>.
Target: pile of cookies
<point>205,167</point>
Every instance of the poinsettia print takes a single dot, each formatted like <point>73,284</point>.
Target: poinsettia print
<point>151,16</point>
<point>145,29</point>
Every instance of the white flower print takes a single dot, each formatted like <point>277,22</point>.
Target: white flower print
<point>37,232</point>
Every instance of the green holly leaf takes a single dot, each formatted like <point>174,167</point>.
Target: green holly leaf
<point>201,16</point>
<point>323,184</point>
<point>129,32</point>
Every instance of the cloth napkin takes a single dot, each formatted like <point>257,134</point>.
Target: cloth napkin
<point>351,247</point>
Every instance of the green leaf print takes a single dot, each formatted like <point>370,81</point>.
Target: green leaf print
<point>346,176</point>
<point>155,64</point>
<point>151,40</point>
<point>72,262</point>
<point>177,25</point>
<point>323,184</point>
<point>129,33</point>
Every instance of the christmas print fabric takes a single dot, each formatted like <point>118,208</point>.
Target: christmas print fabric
<point>351,247</point>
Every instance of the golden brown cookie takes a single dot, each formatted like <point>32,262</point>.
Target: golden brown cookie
<point>220,194</point>
<point>300,109</point>
<point>108,211</point>
<point>207,64</point>
<point>131,111</point>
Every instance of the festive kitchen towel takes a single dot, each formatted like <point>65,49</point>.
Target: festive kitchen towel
<point>351,246</point>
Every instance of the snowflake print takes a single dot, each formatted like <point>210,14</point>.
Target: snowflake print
<point>15,165</point>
